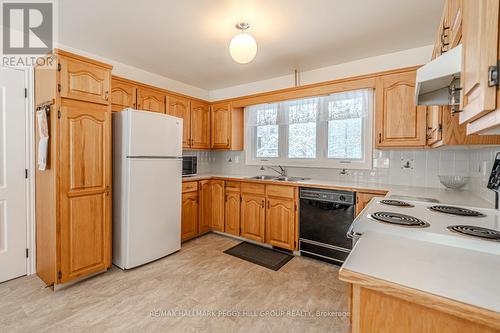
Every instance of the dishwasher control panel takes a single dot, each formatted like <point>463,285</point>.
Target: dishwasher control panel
<point>345,197</point>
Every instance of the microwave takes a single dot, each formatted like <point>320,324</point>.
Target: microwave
<point>189,166</point>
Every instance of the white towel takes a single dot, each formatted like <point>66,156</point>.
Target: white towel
<point>43,144</point>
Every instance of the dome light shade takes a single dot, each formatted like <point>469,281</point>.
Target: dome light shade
<point>243,46</point>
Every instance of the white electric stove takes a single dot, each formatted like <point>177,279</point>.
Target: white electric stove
<point>465,227</point>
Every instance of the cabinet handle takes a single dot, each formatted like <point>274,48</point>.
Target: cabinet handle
<point>106,95</point>
<point>262,203</point>
<point>380,138</point>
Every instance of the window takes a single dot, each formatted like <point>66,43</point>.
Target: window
<point>333,131</point>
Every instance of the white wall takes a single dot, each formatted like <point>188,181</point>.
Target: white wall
<point>481,163</point>
<point>137,74</point>
<point>406,58</point>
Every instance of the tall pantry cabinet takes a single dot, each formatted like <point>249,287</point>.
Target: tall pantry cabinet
<point>73,194</point>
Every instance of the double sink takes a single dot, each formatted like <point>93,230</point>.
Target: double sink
<point>278,178</point>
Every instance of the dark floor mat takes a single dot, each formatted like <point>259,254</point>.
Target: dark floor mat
<point>259,255</point>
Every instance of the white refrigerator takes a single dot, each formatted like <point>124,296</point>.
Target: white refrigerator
<point>147,181</point>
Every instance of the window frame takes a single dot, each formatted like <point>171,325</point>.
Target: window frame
<point>321,160</point>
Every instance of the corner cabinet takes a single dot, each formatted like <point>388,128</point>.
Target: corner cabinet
<point>73,195</point>
<point>226,127</point>
<point>399,121</point>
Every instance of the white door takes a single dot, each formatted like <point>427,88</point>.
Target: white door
<point>154,209</point>
<point>12,174</point>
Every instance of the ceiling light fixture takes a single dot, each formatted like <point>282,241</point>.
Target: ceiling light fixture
<point>243,46</point>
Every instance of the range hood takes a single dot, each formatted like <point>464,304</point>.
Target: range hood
<point>438,81</point>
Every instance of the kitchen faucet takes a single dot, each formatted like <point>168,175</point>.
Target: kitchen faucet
<point>281,171</point>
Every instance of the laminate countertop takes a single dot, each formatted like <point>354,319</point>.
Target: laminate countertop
<point>445,196</point>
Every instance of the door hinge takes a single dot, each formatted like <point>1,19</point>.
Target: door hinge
<point>59,275</point>
<point>59,67</point>
<point>493,73</point>
<point>27,253</point>
<point>25,92</point>
<point>59,87</point>
<point>26,175</point>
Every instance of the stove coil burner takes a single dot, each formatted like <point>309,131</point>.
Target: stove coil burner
<point>475,231</point>
<point>399,219</point>
<point>396,203</point>
<point>457,211</point>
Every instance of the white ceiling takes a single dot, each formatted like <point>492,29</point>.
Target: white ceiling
<point>187,40</point>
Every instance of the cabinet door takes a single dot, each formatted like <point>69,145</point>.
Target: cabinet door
<point>480,50</point>
<point>363,199</point>
<point>123,95</point>
<point>205,206</point>
<point>252,217</point>
<point>200,125</point>
<point>232,213</point>
<point>399,122</point>
<point>434,124</point>
<point>180,107</point>
<point>221,126</point>
<point>85,181</point>
<point>84,81</point>
<point>280,222</point>
<point>217,205</point>
<point>150,100</point>
<point>454,22</point>
<point>189,224</point>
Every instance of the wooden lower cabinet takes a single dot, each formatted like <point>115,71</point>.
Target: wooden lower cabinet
<point>217,218</point>
<point>232,212</point>
<point>280,222</point>
<point>189,224</point>
<point>253,216</point>
<point>205,208</point>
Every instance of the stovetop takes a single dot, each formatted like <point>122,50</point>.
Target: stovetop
<point>437,223</point>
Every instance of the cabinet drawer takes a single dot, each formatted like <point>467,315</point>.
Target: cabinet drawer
<point>280,191</point>
<point>253,188</point>
<point>233,186</point>
<point>189,187</point>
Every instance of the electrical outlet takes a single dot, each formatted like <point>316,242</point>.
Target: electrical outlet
<point>407,163</point>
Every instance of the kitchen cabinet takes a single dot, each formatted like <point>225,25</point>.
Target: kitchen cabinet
<point>232,212</point>
<point>252,219</point>
<point>281,216</point>
<point>434,124</point>
<point>454,13</point>
<point>123,94</point>
<point>226,127</point>
<point>205,214</point>
<point>364,198</point>
<point>189,220</point>
<point>180,107</point>
<point>200,125</point>
<point>150,99</point>
<point>398,121</point>
<point>82,82</point>
<point>481,51</point>
<point>217,219</point>
<point>73,196</point>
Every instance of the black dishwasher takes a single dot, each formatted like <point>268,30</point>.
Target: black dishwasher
<point>325,218</point>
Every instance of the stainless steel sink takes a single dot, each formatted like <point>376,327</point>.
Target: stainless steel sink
<point>263,177</point>
<point>289,179</point>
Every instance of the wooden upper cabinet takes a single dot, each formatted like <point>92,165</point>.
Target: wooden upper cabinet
<point>123,95</point>
<point>252,219</point>
<point>217,219</point>
<point>454,13</point>
<point>205,208</point>
<point>226,127</point>
<point>399,122</point>
<point>480,51</point>
<point>149,99</point>
<point>189,220</point>
<point>81,81</point>
<point>180,107</point>
<point>200,125</point>
<point>85,164</point>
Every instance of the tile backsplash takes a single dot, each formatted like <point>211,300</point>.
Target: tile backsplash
<point>400,167</point>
